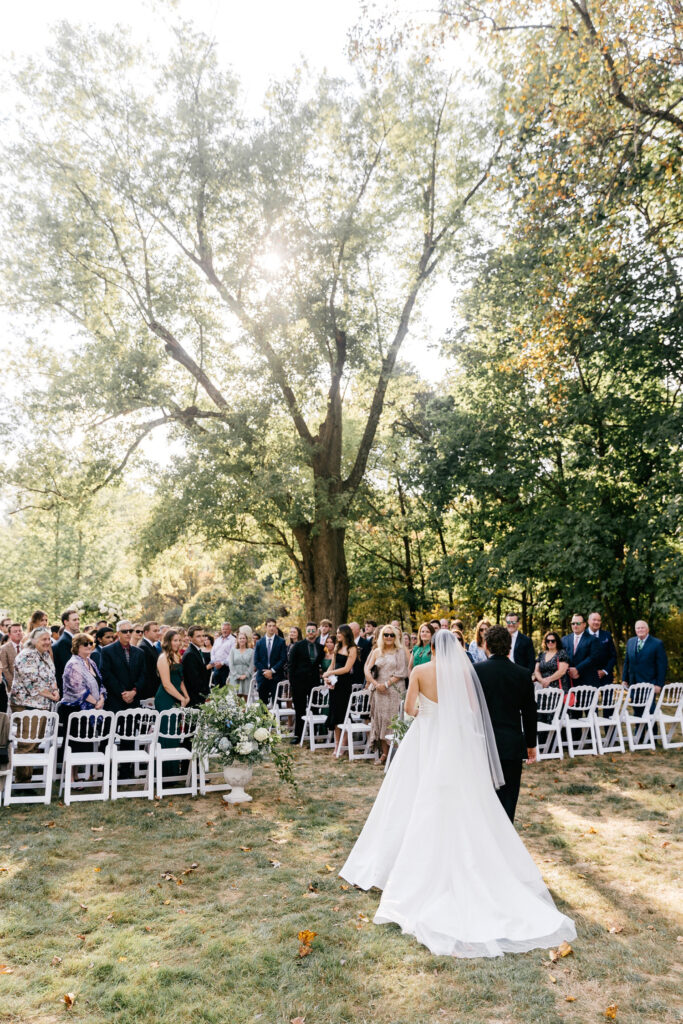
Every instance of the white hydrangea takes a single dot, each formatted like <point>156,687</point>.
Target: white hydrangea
<point>261,735</point>
<point>244,748</point>
<point>224,744</point>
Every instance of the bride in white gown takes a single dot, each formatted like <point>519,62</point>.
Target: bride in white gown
<point>453,870</point>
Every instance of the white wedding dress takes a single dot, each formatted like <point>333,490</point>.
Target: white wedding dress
<point>453,870</point>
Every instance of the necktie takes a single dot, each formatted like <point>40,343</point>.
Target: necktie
<point>269,643</point>
<point>576,641</point>
<point>639,646</point>
<point>311,651</point>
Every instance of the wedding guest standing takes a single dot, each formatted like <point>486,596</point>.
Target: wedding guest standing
<point>123,670</point>
<point>363,643</point>
<point>196,674</point>
<point>521,648</point>
<point>584,653</point>
<point>338,678</point>
<point>39,618</point>
<point>82,682</point>
<point>328,654</point>
<point>552,663</point>
<point>422,651</point>
<point>509,695</point>
<point>477,648</point>
<point>61,651</point>
<point>270,658</point>
<point>646,660</point>
<point>136,635</point>
<point>386,685</point>
<point>325,627</point>
<point>241,662</point>
<point>34,689</point>
<point>220,654</point>
<point>608,652</point>
<point>147,648</point>
<point>171,691</point>
<point>8,654</point>
<point>305,660</point>
<point>104,636</point>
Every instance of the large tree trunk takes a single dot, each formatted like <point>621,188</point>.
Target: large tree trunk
<point>323,571</point>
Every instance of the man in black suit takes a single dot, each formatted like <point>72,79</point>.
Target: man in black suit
<point>584,653</point>
<point>521,648</point>
<point>61,650</point>
<point>509,693</point>
<point>123,670</point>
<point>270,658</point>
<point>608,652</point>
<point>305,659</point>
<point>364,647</point>
<point>148,649</point>
<point>196,673</point>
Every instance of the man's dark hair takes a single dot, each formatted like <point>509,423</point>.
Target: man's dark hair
<point>271,620</point>
<point>498,641</point>
<point>515,614</point>
<point>435,622</point>
<point>148,625</point>
<point>314,624</point>
<point>65,615</point>
<point>54,630</point>
<point>579,615</point>
<point>194,629</point>
<point>369,622</point>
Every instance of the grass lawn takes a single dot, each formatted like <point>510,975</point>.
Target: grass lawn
<point>101,900</point>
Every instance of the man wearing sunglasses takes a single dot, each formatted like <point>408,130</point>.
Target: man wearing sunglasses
<point>123,670</point>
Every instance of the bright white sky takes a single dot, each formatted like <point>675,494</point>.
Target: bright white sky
<point>261,39</point>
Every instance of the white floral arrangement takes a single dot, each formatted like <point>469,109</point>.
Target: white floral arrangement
<point>231,731</point>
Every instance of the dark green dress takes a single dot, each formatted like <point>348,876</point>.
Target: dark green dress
<point>422,654</point>
<point>163,701</point>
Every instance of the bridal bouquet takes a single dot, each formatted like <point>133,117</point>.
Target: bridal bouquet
<point>234,732</point>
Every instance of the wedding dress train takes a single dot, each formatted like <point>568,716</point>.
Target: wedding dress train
<point>453,870</point>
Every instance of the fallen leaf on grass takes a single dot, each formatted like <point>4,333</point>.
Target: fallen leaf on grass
<point>336,908</point>
<point>69,999</point>
<point>328,868</point>
<point>312,886</point>
<point>666,843</point>
<point>154,963</point>
<point>592,831</point>
<point>148,928</point>
<point>570,999</point>
<point>616,928</point>
<point>362,917</point>
<point>278,842</point>
<point>166,902</point>
<point>275,863</point>
<point>6,969</point>
<point>211,824</point>
<point>122,959</point>
<point>345,887</point>
<point>306,942</point>
<point>553,979</point>
<point>83,906</point>
<point>311,895</point>
<point>110,917</point>
<point>81,937</point>
<point>98,828</point>
<point>564,949</point>
<point>98,869</point>
<point>611,1011</point>
<point>298,1020</point>
<point>245,849</point>
<point>49,824</point>
<point>56,961</point>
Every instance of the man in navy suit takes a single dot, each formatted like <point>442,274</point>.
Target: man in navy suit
<point>270,658</point>
<point>584,653</point>
<point>61,650</point>
<point>608,652</point>
<point>645,660</point>
<point>123,670</point>
<point>196,673</point>
<point>521,648</point>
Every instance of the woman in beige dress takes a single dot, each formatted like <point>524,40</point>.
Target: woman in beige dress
<point>386,684</point>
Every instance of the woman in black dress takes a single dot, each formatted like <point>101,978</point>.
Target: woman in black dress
<point>338,678</point>
<point>552,663</point>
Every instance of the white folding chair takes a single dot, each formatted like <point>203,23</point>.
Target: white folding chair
<point>638,720</point>
<point>283,709</point>
<point>87,744</point>
<point>134,744</point>
<point>40,728</point>
<point>580,717</point>
<point>392,739</point>
<point>669,715</point>
<point>315,720</point>
<point>252,696</point>
<point>607,716</point>
<point>549,733</point>
<point>179,725</point>
<point>356,723</point>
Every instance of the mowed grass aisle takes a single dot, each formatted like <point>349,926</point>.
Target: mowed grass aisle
<point>103,901</point>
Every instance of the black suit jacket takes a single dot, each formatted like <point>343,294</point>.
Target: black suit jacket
<point>120,674</point>
<point>524,653</point>
<point>364,646</point>
<point>509,694</point>
<point>151,655</point>
<point>587,659</point>
<point>196,675</point>
<point>61,652</point>
<point>301,669</point>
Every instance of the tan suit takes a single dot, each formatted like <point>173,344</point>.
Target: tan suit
<point>8,653</point>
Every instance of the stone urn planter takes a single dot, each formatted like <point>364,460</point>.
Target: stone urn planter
<point>237,777</point>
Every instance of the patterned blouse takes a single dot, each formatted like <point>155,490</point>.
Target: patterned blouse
<point>78,682</point>
<point>478,653</point>
<point>33,672</point>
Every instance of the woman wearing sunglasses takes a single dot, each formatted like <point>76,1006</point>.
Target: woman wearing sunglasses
<point>82,683</point>
<point>386,684</point>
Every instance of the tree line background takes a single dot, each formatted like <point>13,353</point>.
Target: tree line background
<point>241,289</point>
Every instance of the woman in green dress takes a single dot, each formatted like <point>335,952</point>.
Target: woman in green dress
<point>422,651</point>
<point>171,692</point>
<point>328,654</point>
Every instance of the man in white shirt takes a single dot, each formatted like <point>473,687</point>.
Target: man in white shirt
<point>220,652</point>
<point>325,630</point>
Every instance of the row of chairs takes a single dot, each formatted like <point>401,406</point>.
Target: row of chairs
<point>105,755</point>
<point>602,720</point>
